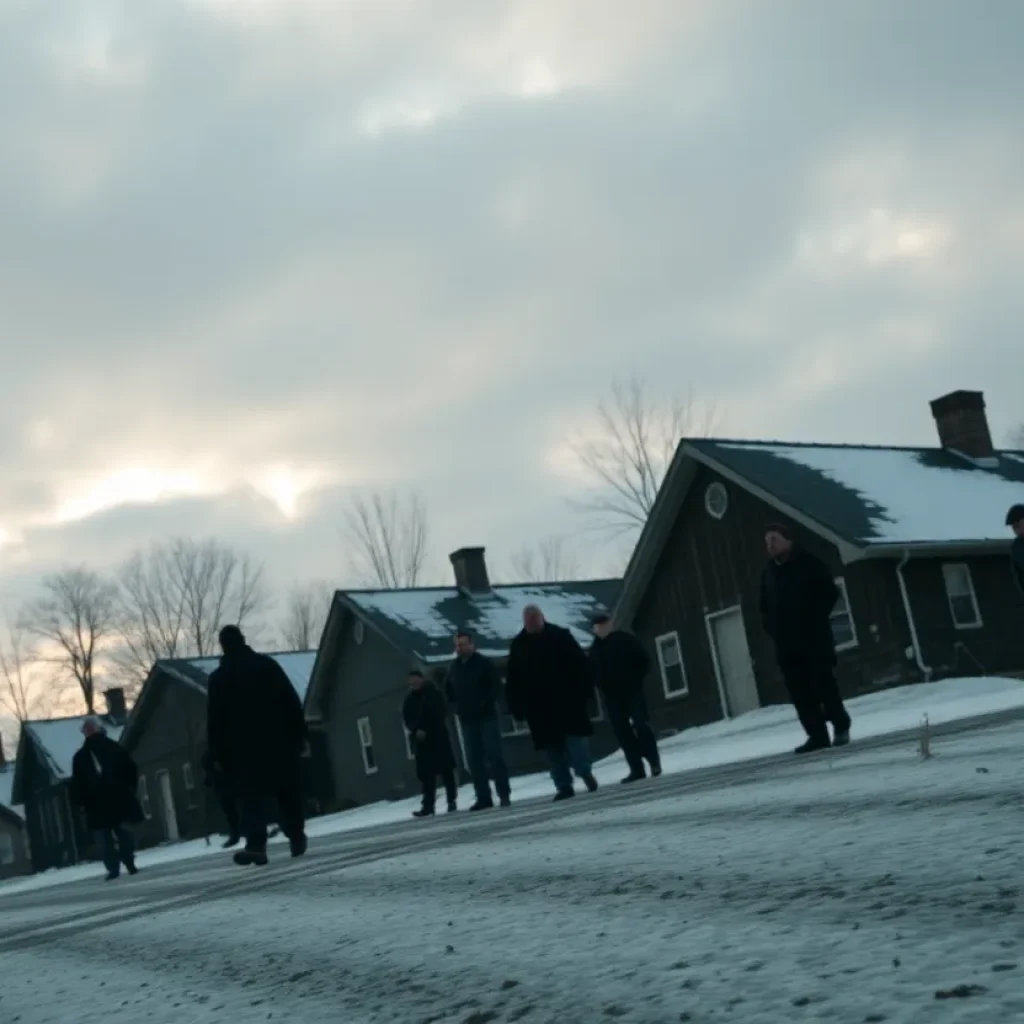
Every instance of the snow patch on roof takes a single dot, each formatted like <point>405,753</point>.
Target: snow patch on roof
<point>497,618</point>
<point>60,738</point>
<point>297,665</point>
<point>915,502</point>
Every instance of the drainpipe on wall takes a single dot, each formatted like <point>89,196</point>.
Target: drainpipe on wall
<point>915,641</point>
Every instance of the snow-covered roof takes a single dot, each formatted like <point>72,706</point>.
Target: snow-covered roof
<point>425,621</point>
<point>876,495</point>
<point>60,738</point>
<point>297,665</point>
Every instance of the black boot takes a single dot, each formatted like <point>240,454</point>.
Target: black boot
<point>636,775</point>
<point>424,812</point>
<point>813,744</point>
<point>590,782</point>
<point>299,844</point>
<point>842,738</point>
<point>482,805</point>
<point>452,806</point>
<point>565,794</point>
<point>506,801</point>
<point>247,856</point>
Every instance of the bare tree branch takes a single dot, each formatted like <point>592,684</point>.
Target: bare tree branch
<point>305,615</point>
<point>549,561</point>
<point>388,539</point>
<point>636,437</point>
<point>75,616</point>
<point>173,599</point>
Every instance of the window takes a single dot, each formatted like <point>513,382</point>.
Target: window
<point>670,661</point>
<point>366,743</point>
<point>190,786</point>
<point>147,811</point>
<point>844,633</point>
<point>716,500</point>
<point>409,753</point>
<point>963,602</point>
<point>6,848</point>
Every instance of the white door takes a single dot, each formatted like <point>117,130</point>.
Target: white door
<point>736,678</point>
<point>167,806</point>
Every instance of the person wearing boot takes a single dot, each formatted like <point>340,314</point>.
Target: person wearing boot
<point>215,779</point>
<point>425,714</point>
<point>620,666</point>
<point>104,782</point>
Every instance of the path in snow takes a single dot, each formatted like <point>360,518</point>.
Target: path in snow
<point>847,888</point>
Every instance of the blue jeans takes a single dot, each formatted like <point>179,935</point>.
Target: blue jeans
<point>571,755</point>
<point>484,758</point>
<point>117,847</point>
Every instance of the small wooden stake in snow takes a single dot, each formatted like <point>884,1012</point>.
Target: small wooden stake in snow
<point>926,738</point>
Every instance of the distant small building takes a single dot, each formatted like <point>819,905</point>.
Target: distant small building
<point>14,856</point>
<point>373,637</point>
<point>56,831</point>
<point>915,539</point>
<point>166,736</point>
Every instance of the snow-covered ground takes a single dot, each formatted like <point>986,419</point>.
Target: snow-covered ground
<point>761,733</point>
<point>871,888</point>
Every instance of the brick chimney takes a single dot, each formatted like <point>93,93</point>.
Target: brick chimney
<point>117,710</point>
<point>962,424</point>
<point>470,571</point>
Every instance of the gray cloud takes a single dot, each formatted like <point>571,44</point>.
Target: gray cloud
<point>224,251</point>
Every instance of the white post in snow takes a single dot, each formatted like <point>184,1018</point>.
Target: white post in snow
<point>926,738</point>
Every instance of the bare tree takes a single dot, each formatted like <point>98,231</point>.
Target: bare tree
<point>388,539</point>
<point>305,614</point>
<point>173,598</point>
<point>549,561</point>
<point>74,619</point>
<point>18,696</point>
<point>636,437</point>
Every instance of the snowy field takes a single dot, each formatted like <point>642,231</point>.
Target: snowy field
<point>868,887</point>
<point>761,733</point>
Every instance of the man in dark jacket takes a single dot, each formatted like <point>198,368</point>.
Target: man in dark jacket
<point>798,594</point>
<point>620,665</point>
<point>474,687</point>
<point>1015,520</point>
<point>256,736</point>
<point>550,686</point>
<point>426,718</point>
<point>104,780</point>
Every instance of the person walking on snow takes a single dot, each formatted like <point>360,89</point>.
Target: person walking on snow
<point>474,687</point>
<point>620,665</point>
<point>1015,520</point>
<point>798,594</point>
<point>104,781</point>
<point>425,715</point>
<point>256,735</point>
<point>549,687</point>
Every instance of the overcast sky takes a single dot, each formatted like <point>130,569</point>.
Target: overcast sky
<point>257,254</point>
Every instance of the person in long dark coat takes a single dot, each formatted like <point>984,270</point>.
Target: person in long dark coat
<point>256,733</point>
<point>104,783</point>
<point>798,594</point>
<point>425,714</point>
<point>620,667</point>
<point>549,686</point>
<point>1015,521</point>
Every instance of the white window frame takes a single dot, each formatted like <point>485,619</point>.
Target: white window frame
<point>6,848</point>
<point>948,570</point>
<point>410,754</point>
<point>658,642</point>
<point>143,794</point>
<point>850,644</point>
<point>190,786</point>
<point>366,743</point>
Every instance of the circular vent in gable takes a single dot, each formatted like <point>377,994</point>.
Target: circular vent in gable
<point>357,631</point>
<point>716,500</point>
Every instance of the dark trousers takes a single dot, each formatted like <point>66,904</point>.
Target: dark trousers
<point>117,847</point>
<point>631,722</point>
<point>228,803</point>
<point>428,780</point>
<point>485,758</point>
<point>257,813</point>
<point>812,686</point>
<point>570,756</point>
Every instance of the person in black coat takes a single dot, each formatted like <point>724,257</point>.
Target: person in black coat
<point>620,666</point>
<point>473,688</point>
<point>549,686</point>
<point>425,714</point>
<point>798,594</point>
<point>104,781</point>
<point>1015,520</point>
<point>256,735</point>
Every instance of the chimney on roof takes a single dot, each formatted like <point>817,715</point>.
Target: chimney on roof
<point>117,710</point>
<point>470,571</point>
<point>962,424</point>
